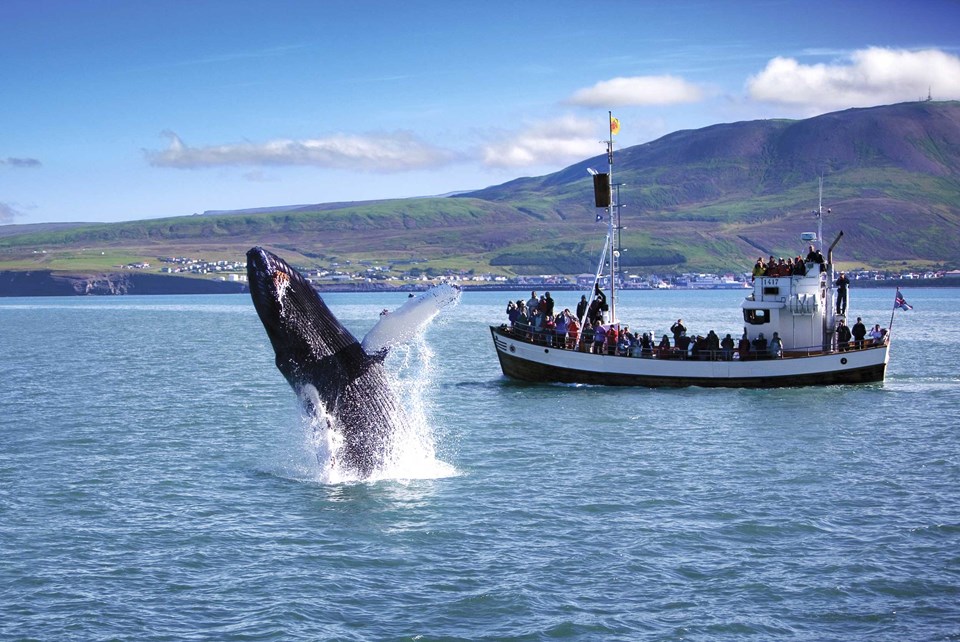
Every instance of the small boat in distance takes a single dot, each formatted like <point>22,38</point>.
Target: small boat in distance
<point>793,334</point>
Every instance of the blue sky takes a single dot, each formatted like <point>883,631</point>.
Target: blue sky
<point>120,110</point>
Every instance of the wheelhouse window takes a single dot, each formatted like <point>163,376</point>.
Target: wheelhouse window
<point>756,317</point>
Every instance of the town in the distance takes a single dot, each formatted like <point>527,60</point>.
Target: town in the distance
<point>367,273</point>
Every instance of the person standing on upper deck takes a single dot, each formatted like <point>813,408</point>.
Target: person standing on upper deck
<point>758,268</point>
<point>814,256</point>
<point>842,284</point>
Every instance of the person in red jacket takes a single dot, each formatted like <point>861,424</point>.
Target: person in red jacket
<point>613,336</point>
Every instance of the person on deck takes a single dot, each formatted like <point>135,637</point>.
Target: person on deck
<point>843,336</point>
<point>713,346</point>
<point>522,323</point>
<point>646,346</point>
<point>548,304</point>
<point>586,337</point>
<point>599,338</point>
<point>663,350</point>
<point>743,347</point>
<point>799,268</point>
<point>814,256</point>
<point>613,335</point>
<point>549,334</point>
<point>600,299</point>
<point>536,322</point>
<point>678,329</point>
<point>726,348</point>
<point>582,307</point>
<point>683,345</point>
<point>594,314</point>
<point>760,346</point>
<point>876,335</point>
<point>532,302</point>
<point>776,346</point>
<point>573,333</point>
<point>859,332</point>
<point>758,268</point>
<point>560,331</point>
<point>771,268</point>
<point>842,284</point>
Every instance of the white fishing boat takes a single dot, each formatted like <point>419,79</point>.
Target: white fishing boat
<point>795,314</point>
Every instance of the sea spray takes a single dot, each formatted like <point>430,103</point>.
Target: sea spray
<point>412,448</point>
<point>410,451</point>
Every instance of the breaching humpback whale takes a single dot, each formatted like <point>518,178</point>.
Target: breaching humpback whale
<point>325,364</point>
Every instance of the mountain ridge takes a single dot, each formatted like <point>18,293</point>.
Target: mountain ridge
<point>697,199</point>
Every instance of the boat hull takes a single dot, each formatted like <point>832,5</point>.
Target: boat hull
<point>525,361</point>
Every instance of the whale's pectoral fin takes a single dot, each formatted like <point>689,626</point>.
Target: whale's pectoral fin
<point>409,319</point>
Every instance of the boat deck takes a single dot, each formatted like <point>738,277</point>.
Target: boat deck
<point>525,359</point>
<point>675,354</point>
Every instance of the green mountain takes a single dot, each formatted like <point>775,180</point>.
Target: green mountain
<point>720,194</point>
<point>705,199</point>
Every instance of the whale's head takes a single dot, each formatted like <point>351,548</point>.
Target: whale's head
<point>304,333</point>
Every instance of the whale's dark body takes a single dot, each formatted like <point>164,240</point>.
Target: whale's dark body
<point>314,351</point>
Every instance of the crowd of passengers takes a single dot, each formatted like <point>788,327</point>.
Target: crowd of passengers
<point>789,267</point>
<point>537,321</point>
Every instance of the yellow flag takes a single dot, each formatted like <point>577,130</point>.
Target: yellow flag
<point>614,125</point>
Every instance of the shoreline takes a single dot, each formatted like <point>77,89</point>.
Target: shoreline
<point>36,283</point>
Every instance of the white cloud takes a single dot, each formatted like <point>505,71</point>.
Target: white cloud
<point>638,91</point>
<point>388,153</point>
<point>873,76</point>
<point>548,143</point>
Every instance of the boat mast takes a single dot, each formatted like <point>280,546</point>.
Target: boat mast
<point>820,217</point>
<point>611,208</point>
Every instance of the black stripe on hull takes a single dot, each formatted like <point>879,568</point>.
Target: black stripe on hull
<point>533,372</point>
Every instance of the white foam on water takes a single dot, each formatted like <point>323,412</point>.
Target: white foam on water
<point>411,450</point>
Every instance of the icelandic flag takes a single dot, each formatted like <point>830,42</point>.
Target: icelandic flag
<point>900,302</point>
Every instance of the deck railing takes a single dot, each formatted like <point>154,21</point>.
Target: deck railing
<point>548,339</point>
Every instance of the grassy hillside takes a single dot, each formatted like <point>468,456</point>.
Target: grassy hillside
<point>705,199</point>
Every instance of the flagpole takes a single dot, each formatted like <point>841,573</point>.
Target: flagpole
<point>893,312</point>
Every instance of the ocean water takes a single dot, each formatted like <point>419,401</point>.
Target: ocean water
<point>157,482</point>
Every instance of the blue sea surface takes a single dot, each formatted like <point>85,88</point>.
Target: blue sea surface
<point>157,482</point>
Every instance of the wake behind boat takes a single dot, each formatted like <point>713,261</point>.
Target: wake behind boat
<point>795,332</point>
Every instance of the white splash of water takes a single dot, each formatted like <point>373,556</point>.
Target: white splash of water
<point>411,450</point>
